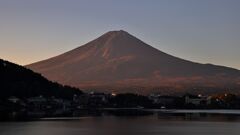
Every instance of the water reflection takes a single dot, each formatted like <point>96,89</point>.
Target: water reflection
<point>198,117</point>
<point>156,124</point>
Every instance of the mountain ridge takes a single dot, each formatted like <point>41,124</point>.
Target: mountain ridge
<point>119,61</point>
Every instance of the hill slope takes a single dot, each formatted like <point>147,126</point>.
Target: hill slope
<point>118,61</point>
<point>18,81</point>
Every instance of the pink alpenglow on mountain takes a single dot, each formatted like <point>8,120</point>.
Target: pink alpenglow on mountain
<point>119,62</point>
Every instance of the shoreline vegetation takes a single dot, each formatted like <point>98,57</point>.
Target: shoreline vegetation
<point>186,114</point>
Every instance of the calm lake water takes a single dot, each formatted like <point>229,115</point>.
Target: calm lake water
<point>156,124</point>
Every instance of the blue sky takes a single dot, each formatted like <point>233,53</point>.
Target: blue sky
<point>205,31</point>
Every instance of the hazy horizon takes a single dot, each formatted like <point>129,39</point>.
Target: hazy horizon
<point>200,31</point>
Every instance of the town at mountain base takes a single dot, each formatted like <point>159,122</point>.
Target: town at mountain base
<point>119,62</point>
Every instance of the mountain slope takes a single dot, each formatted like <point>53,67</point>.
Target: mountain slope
<point>118,61</point>
<point>18,81</point>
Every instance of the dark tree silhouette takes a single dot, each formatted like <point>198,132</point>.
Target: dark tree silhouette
<point>21,82</point>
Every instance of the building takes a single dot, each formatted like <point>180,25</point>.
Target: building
<point>162,101</point>
<point>197,99</point>
<point>37,102</point>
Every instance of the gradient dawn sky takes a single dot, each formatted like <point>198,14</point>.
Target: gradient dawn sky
<point>205,31</point>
